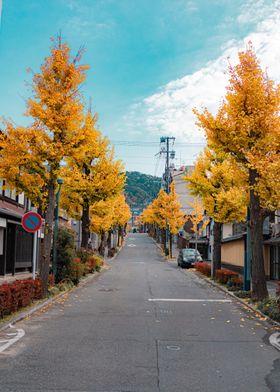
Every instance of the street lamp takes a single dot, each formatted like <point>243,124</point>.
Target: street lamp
<point>55,233</point>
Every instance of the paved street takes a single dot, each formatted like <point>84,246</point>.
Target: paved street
<point>123,333</point>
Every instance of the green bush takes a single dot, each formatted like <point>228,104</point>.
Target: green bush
<point>65,285</point>
<point>65,253</point>
<point>270,307</point>
<point>78,270</point>
<point>243,294</point>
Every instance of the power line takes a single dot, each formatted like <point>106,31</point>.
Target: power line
<point>152,144</point>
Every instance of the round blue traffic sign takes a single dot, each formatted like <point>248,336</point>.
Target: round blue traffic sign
<point>31,222</point>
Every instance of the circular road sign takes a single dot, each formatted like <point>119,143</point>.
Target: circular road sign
<point>31,222</point>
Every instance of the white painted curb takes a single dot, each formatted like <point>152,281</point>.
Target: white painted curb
<point>274,340</point>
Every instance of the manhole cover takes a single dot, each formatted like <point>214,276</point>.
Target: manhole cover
<point>106,290</point>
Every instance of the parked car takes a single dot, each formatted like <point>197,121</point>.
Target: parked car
<point>187,257</point>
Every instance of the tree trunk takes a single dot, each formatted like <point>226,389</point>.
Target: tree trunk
<point>170,244</point>
<point>85,224</point>
<point>119,237</point>
<point>121,230</point>
<point>156,233</point>
<point>217,232</point>
<point>101,248</point>
<point>109,239</point>
<point>45,254</point>
<point>163,240</point>
<point>259,288</point>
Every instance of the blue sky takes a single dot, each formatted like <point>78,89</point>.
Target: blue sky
<point>150,62</point>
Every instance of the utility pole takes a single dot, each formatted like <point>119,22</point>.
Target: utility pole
<point>165,150</point>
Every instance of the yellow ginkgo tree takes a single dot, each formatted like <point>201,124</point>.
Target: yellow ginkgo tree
<point>91,174</point>
<point>220,183</point>
<point>31,156</point>
<point>175,217</point>
<point>247,127</point>
<point>106,215</point>
<point>165,212</point>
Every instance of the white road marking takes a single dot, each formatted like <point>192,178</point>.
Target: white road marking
<point>131,245</point>
<point>188,300</point>
<point>175,348</point>
<point>18,335</point>
<point>274,340</point>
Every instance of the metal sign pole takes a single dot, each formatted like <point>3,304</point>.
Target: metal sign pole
<point>34,261</point>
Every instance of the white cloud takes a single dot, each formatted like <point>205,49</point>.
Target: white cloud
<point>169,111</point>
<point>192,7</point>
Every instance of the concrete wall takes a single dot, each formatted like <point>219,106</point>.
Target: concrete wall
<point>226,230</point>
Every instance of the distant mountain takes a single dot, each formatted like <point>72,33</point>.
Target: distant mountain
<point>141,189</point>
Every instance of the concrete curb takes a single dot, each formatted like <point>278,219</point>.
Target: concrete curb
<point>27,313</point>
<point>108,259</point>
<point>240,300</point>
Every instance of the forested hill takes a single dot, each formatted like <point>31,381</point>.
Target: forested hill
<point>141,189</point>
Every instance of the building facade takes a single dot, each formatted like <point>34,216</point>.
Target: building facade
<point>16,245</point>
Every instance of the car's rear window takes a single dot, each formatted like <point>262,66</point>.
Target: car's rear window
<point>188,252</point>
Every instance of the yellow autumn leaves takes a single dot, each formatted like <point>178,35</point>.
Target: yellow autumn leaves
<point>240,167</point>
<point>61,141</point>
<point>165,209</point>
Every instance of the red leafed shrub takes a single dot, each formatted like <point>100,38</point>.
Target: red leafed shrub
<point>25,289</point>
<point>18,294</point>
<point>51,280</point>
<point>204,268</point>
<point>237,281</point>
<point>224,275</point>
<point>15,289</point>
<point>94,263</point>
<point>38,291</point>
<point>5,299</point>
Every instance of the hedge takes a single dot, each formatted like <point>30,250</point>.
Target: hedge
<point>19,294</point>
<point>224,275</point>
<point>204,268</point>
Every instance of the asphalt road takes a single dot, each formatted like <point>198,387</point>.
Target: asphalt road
<point>108,336</point>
